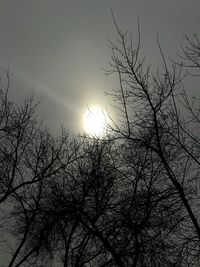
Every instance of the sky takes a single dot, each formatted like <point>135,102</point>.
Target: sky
<point>58,47</point>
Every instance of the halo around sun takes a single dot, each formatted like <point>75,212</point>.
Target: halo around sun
<point>94,121</point>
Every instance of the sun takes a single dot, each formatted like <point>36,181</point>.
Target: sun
<point>94,121</point>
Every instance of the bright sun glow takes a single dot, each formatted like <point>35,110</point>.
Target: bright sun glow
<point>94,121</point>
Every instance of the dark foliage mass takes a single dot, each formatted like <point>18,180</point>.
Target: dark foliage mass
<point>130,198</point>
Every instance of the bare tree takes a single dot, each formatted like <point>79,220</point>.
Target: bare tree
<point>29,157</point>
<point>150,107</point>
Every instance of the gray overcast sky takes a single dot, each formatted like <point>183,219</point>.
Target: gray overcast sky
<point>59,46</point>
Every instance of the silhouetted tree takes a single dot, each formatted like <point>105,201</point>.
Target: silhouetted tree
<point>29,157</point>
<point>150,107</point>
